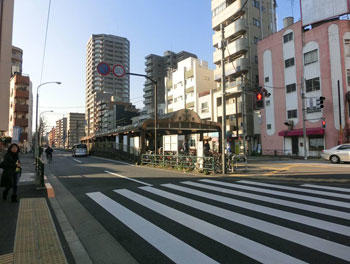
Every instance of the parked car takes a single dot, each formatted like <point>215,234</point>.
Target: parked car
<point>337,154</point>
<point>79,150</point>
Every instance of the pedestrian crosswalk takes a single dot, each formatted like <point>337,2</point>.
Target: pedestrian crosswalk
<point>221,221</point>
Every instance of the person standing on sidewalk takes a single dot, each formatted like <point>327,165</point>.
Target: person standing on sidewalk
<point>11,171</point>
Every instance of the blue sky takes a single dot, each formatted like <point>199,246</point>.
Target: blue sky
<point>152,26</point>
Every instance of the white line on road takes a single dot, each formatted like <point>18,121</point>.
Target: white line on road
<point>127,178</point>
<point>284,194</point>
<point>313,242</point>
<point>310,221</point>
<point>288,188</point>
<point>114,161</point>
<point>172,247</point>
<point>327,187</point>
<point>238,243</point>
<point>79,161</point>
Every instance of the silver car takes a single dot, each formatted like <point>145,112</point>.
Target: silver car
<point>337,154</point>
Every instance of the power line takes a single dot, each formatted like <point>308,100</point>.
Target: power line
<point>45,41</point>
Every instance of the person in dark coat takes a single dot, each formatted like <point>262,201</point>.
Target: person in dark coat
<point>11,170</point>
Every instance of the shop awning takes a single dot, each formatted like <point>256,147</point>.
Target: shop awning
<point>299,132</point>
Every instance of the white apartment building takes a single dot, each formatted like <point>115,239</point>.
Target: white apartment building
<point>244,23</point>
<point>112,50</point>
<point>184,85</point>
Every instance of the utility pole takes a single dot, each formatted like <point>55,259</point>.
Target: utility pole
<point>223,123</point>
<point>155,117</point>
<point>340,121</point>
<point>302,90</point>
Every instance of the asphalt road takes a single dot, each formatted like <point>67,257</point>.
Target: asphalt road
<point>162,216</point>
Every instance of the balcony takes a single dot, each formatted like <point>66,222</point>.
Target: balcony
<point>21,108</point>
<point>232,11</point>
<point>189,74</point>
<point>235,48</point>
<point>235,68</point>
<point>148,95</point>
<point>21,94</point>
<point>190,89</point>
<point>169,84</point>
<point>148,88</point>
<point>21,122</point>
<point>231,31</point>
<point>148,101</point>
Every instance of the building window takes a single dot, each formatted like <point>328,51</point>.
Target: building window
<point>288,37</point>
<point>256,4</point>
<point>267,102</point>
<point>256,40</point>
<point>218,101</point>
<point>219,9</point>
<point>268,126</point>
<point>256,22</point>
<point>205,107</point>
<point>256,59</point>
<point>289,62</point>
<point>348,76</point>
<point>347,47</point>
<point>311,57</point>
<point>312,84</point>
<point>291,88</point>
<point>292,113</point>
<point>267,79</point>
<point>316,143</point>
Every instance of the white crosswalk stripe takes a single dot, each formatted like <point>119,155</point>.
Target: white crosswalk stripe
<point>332,188</point>
<point>276,224</point>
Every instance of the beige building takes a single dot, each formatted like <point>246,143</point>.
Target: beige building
<point>61,133</point>
<point>244,23</point>
<point>75,128</point>
<point>6,21</point>
<point>184,84</point>
<point>112,50</point>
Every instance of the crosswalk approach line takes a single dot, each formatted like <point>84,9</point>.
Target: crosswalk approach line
<point>172,247</point>
<point>236,242</point>
<point>280,193</point>
<point>296,189</point>
<point>313,242</point>
<point>306,220</point>
<point>332,188</point>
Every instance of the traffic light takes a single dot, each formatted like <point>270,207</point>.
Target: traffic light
<point>323,123</point>
<point>319,102</point>
<point>259,100</point>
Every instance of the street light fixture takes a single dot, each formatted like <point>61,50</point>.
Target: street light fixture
<point>36,116</point>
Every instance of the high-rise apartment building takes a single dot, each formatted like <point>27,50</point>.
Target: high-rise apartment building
<point>6,21</point>
<point>112,50</point>
<point>75,128</point>
<point>21,105</point>
<point>61,133</point>
<point>244,23</point>
<point>156,69</point>
<point>16,60</point>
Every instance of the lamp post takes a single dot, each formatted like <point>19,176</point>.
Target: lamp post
<point>36,117</point>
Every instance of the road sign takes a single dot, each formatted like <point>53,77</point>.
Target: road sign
<point>119,70</point>
<point>103,68</point>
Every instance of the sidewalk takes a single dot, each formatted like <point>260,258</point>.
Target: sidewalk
<point>31,215</point>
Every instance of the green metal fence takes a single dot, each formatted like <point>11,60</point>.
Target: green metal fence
<point>179,162</point>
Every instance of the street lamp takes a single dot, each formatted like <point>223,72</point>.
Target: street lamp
<point>36,116</point>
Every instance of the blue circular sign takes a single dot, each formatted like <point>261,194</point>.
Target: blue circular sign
<point>103,68</point>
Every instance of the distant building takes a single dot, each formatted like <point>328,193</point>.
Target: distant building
<point>52,137</point>
<point>75,128</point>
<point>156,69</point>
<point>184,84</point>
<point>112,50</point>
<point>121,114</point>
<point>21,104</point>
<point>323,63</point>
<point>61,133</point>
<point>6,22</point>
<point>16,60</point>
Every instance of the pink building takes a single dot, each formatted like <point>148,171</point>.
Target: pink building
<point>326,59</point>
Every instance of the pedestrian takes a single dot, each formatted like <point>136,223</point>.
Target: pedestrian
<point>11,172</point>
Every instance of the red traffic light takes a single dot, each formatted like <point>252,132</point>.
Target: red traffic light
<point>259,96</point>
<point>323,124</point>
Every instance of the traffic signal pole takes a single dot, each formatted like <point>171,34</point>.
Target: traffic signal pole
<point>302,90</point>
<point>223,124</point>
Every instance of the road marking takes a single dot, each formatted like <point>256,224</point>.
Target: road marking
<point>79,161</point>
<point>327,187</point>
<point>127,178</point>
<point>306,207</point>
<point>313,242</point>
<point>238,243</point>
<point>338,195</point>
<point>175,249</point>
<point>114,161</point>
<point>310,221</point>
<point>285,194</point>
